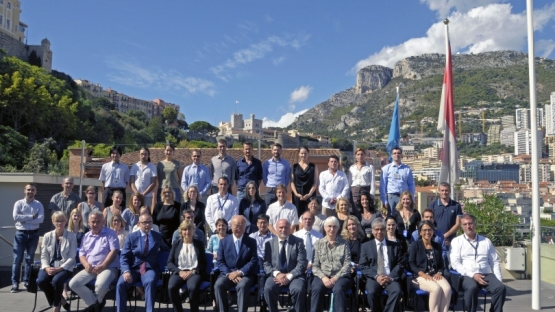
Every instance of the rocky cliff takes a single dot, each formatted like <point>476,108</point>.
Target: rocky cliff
<point>364,111</point>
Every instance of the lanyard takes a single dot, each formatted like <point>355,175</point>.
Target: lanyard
<point>220,203</point>
<point>475,248</point>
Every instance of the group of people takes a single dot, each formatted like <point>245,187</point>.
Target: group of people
<point>295,243</point>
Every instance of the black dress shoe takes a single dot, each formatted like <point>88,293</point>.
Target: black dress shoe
<point>66,306</point>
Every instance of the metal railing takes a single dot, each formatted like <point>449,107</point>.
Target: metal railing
<point>2,237</point>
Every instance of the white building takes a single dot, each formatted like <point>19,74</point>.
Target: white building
<point>507,135</point>
<point>523,118</point>
<point>523,142</point>
<point>544,173</point>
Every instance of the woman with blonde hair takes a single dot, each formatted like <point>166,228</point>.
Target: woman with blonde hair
<point>342,210</point>
<point>76,225</point>
<point>166,214</point>
<point>191,200</point>
<point>131,215</point>
<point>118,224</point>
<point>57,258</point>
<point>407,216</point>
<point>187,262</point>
<point>355,237</point>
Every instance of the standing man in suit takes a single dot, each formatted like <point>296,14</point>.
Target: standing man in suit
<point>139,262</point>
<point>237,262</point>
<point>285,261</point>
<point>381,262</point>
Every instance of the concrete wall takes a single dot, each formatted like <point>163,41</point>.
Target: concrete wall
<point>13,46</point>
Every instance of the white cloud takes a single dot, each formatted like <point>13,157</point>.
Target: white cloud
<point>257,51</point>
<point>279,60</point>
<point>444,7</point>
<point>129,74</point>
<point>488,28</point>
<point>284,121</point>
<point>300,94</point>
<point>546,46</point>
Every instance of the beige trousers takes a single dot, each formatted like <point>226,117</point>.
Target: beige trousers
<point>440,293</point>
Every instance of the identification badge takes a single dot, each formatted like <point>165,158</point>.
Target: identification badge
<point>57,263</point>
<point>219,215</point>
<point>405,233</point>
<point>475,267</point>
<point>397,176</point>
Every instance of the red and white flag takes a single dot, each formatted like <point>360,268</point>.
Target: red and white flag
<point>449,154</point>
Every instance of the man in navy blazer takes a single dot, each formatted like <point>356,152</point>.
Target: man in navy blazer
<point>386,277</point>
<point>238,264</point>
<point>285,265</point>
<point>140,264</point>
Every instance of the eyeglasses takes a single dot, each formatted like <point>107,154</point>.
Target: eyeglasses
<point>116,220</point>
<point>379,230</point>
<point>89,193</point>
<point>468,224</point>
<point>146,222</point>
<point>60,221</point>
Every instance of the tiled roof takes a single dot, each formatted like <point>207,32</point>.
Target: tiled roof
<point>184,155</point>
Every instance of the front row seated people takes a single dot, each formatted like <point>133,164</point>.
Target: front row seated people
<point>237,262</point>
<point>475,258</point>
<point>99,257</point>
<point>139,262</point>
<point>427,266</point>
<point>381,263</point>
<point>285,265</point>
<point>331,268</point>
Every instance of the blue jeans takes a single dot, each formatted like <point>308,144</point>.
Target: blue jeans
<point>392,200</point>
<point>24,242</point>
<point>240,195</point>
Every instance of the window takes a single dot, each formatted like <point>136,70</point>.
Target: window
<point>2,2</point>
<point>8,24</point>
<point>1,20</point>
<point>9,5</point>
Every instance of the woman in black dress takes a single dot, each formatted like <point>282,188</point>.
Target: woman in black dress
<point>304,181</point>
<point>407,215</point>
<point>166,215</point>
<point>251,206</point>
<point>191,201</point>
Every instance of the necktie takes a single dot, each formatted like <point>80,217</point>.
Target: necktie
<point>381,262</point>
<point>196,175</point>
<point>142,270</point>
<point>308,244</point>
<point>282,258</point>
<point>237,242</point>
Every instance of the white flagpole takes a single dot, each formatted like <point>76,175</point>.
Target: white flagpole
<point>536,233</point>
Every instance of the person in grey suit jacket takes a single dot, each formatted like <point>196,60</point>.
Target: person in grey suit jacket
<point>140,264</point>
<point>385,276</point>
<point>57,259</point>
<point>285,265</point>
<point>238,264</point>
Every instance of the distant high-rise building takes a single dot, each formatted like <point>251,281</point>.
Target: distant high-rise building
<point>493,134</point>
<point>507,121</point>
<point>523,118</point>
<point>523,142</point>
<point>550,116</point>
<point>507,135</point>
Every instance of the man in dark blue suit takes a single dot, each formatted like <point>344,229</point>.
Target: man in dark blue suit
<point>285,265</point>
<point>139,262</point>
<point>238,264</point>
<point>381,262</point>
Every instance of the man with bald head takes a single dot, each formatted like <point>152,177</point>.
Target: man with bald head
<point>237,263</point>
<point>284,264</point>
<point>66,200</point>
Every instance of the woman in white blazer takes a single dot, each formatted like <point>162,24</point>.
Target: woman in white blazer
<point>57,258</point>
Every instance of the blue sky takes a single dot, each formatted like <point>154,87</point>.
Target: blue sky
<point>276,58</point>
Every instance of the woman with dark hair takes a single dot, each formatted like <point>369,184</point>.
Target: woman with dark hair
<point>304,181</point>
<point>117,200</point>
<point>169,171</point>
<point>361,178</point>
<point>89,205</point>
<point>251,206</point>
<point>407,216</point>
<point>368,211</point>
<point>191,201</point>
<point>394,235</point>
<point>166,215</point>
<point>427,267</point>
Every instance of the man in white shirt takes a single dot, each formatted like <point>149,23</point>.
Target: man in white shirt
<point>333,186</point>
<point>114,176</point>
<point>282,209</point>
<point>475,258</point>
<point>308,235</point>
<point>143,176</point>
<point>221,205</point>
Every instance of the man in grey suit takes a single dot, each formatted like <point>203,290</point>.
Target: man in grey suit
<point>285,261</point>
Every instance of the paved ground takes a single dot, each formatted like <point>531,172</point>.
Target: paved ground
<point>518,300</point>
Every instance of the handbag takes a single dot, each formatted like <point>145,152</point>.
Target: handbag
<point>33,275</point>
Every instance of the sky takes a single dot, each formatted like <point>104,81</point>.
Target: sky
<point>274,59</point>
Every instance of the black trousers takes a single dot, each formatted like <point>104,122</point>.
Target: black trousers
<point>495,287</point>
<point>339,291</point>
<point>297,291</point>
<point>374,289</point>
<point>53,285</point>
<point>193,285</point>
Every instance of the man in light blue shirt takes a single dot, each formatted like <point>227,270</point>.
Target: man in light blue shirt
<point>395,179</point>
<point>196,174</point>
<point>28,214</point>
<point>275,171</point>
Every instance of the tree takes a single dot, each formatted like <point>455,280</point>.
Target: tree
<point>39,157</point>
<point>203,127</point>
<point>155,130</point>
<point>103,103</point>
<point>139,115</point>
<point>492,220</point>
<point>34,59</point>
<point>170,114</point>
<point>13,147</point>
